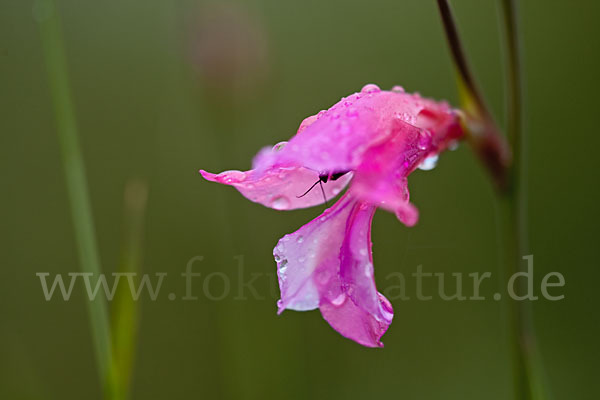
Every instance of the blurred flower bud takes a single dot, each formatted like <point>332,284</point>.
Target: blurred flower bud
<point>229,49</point>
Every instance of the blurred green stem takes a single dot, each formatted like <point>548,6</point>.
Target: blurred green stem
<point>55,60</point>
<point>482,132</point>
<point>529,382</point>
<point>125,310</point>
<point>507,167</point>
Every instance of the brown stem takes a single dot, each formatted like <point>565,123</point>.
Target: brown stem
<point>482,131</point>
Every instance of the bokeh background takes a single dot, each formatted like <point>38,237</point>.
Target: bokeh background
<point>163,88</point>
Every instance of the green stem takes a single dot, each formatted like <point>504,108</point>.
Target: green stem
<point>528,369</point>
<point>481,130</point>
<point>125,310</point>
<point>55,60</point>
<point>508,168</point>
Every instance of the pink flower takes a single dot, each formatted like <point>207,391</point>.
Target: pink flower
<point>373,139</point>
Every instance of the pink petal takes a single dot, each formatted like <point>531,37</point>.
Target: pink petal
<point>309,257</point>
<point>328,264</point>
<point>381,178</point>
<point>354,323</point>
<point>279,187</point>
<point>336,139</point>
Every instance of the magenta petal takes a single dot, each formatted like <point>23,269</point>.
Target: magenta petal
<point>279,187</point>
<point>328,264</point>
<point>356,269</point>
<point>381,178</point>
<point>337,139</point>
<point>308,259</point>
<point>354,323</point>
<point>359,312</point>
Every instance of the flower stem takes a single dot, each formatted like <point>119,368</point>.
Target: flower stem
<point>508,168</point>
<point>55,60</point>
<point>481,130</point>
<point>528,369</point>
<point>125,310</point>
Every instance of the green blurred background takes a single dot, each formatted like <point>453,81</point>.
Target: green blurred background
<point>163,88</point>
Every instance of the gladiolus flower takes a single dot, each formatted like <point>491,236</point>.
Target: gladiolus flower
<point>370,141</point>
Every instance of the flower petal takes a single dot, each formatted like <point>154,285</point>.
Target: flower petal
<point>354,323</point>
<point>359,312</point>
<point>381,178</point>
<point>328,264</point>
<point>308,258</point>
<point>280,187</point>
<point>336,139</point>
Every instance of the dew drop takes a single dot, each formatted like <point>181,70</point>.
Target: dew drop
<point>424,140</point>
<point>363,251</point>
<point>398,89</point>
<point>406,117</point>
<point>370,88</point>
<point>453,145</point>
<point>282,267</point>
<point>339,300</point>
<point>231,176</point>
<point>280,203</point>
<point>279,146</point>
<point>300,239</point>
<point>429,163</point>
<point>369,270</point>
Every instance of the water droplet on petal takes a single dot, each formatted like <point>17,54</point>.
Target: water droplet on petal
<point>300,239</point>
<point>429,163</point>
<point>339,300</point>
<point>280,203</point>
<point>279,146</point>
<point>231,176</point>
<point>369,270</point>
<point>352,112</point>
<point>370,88</point>
<point>363,251</point>
<point>277,258</point>
<point>282,267</point>
<point>398,89</point>
<point>453,145</point>
<point>406,117</point>
<point>424,141</point>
